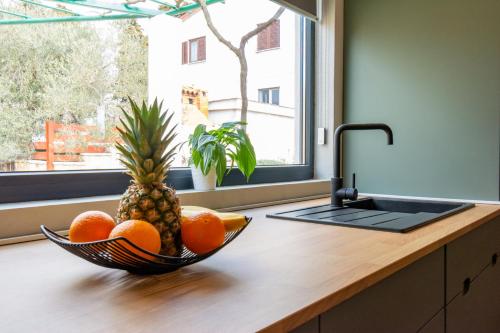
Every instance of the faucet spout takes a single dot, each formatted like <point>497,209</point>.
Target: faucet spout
<point>346,127</point>
<point>338,192</point>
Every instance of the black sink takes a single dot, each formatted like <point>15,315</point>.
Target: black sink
<point>396,215</point>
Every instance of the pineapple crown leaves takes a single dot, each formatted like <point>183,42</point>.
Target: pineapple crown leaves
<point>147,150</point>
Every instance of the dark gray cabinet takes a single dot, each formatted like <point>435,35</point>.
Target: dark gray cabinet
<point>477,310</point>
<point>455,289</point>
<point>467,256</point>
<point>404,302</point>
<point>435,325</point>
<point>473,281</point>
<point>312,326</point>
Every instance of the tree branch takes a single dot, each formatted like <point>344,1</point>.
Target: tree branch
<point>214,30</point>
<point>239,52</point>
<point>262,26</point>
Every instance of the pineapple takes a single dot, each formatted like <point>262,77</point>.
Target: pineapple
<point>147,152</point>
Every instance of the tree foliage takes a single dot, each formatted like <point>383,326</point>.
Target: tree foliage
<point>47,71</point>
<point>132,67</point>
<point>61,72</point>
<point>132,63</point>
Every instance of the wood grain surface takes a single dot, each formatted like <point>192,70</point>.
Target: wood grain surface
<point>277,275</point>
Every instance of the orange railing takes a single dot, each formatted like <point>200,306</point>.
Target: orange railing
<point>65,143</point>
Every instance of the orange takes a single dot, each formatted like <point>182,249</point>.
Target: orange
<point>91,226</point>
<point>141,233</point>
<point>203,232</point>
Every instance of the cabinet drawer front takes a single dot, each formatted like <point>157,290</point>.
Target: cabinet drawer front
<point>478,310</point>
<point>435,325</point>
<point>470,254</point>
<point>404,302</point>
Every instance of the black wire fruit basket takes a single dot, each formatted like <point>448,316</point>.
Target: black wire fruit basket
<point>116,253</point>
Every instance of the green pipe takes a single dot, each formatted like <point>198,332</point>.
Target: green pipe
<point>14,14</point>
<point>69,19</point>
<point>113,7</point>
<point>131,12</point>
<point>62,10</point>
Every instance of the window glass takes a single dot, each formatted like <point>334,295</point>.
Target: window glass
<point>275,96</point>
<point>269,95</point>
<point>60,112</point>
<point>264,95</point>
<point>193,48</point>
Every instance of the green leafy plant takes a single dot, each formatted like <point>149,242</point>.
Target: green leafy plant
<point>211,149</point>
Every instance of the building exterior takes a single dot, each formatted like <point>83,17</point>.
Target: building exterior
<point>186,58</point>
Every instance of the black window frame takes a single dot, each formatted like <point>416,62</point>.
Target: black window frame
<point>53,185</point>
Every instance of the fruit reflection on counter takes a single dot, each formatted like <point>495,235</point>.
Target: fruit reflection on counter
<point>202,230</point>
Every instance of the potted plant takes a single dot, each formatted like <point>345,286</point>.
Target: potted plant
<point>211,149</point>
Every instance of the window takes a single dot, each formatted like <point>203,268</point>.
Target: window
<point>67,149</point>
<point>263,95</point>
<point>269,38</point>
<point>270,96</point>
<point>194,50</point>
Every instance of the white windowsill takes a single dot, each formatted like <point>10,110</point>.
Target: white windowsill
<point>21,221</point>
<point>196,62</point>
<point>269,49</point>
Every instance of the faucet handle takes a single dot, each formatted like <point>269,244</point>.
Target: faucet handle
<point>354,180</point>
<point>351,193</point>
<point>348,193</point>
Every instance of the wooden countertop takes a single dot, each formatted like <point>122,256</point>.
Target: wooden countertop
<point>277,275</point>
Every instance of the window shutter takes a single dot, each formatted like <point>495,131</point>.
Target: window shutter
<point>269,38</point>
<point>307,8</point>
<point>202,49</point>
<point>263,40</point>
<point>184,53</point>
<point>274,34</point>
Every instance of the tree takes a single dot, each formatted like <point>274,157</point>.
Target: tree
<point>47,71</point>
<point>239,51</point>
<point>64,72</point>
<point>131,62</point>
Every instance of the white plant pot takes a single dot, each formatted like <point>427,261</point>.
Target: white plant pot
<point>202,182</point>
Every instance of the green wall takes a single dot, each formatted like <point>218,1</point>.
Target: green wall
<point>431,70</point>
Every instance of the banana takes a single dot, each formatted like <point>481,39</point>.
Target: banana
<point>232,221</point>
<point>188,211</point>
<point>197,209</point>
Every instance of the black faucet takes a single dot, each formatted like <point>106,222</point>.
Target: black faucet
<point>340,193</point>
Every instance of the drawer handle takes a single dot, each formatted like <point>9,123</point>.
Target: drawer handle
<point>466,288</point>
<point>494,259</point>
